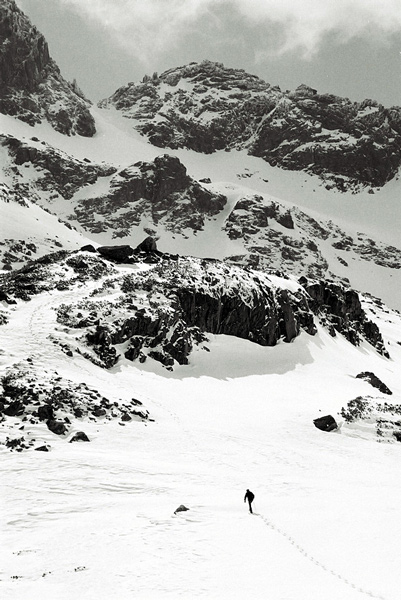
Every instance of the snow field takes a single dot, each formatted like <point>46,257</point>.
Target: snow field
<point>96,520</point>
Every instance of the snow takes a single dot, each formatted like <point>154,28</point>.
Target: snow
<point>96,520</point>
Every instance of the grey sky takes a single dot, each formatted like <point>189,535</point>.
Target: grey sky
<point>347,47</point>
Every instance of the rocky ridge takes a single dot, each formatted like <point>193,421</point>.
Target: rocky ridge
<point>160,196</point>
<point>160,192</point>
<point>168,304</point>
<point>208,107</point>
<point>53,171</point>
<point>31,86</point>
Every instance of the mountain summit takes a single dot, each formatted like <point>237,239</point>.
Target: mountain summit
<point>207,107</point>
<point>31,86</point>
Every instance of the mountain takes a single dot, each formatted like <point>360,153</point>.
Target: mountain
<point>208,107</point>
<point>200,293</point>
<point>31,86</point>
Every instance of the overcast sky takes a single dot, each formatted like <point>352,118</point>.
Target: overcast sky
<point>347,47</point>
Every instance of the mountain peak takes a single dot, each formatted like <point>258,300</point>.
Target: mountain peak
<point>207,107</point>
<point>32,88</point>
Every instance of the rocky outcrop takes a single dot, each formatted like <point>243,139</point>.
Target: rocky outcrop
<point>56,170</point>
<point>381,420</point>
<point>207,107</point>
<point>31,86</point>
<point>160,191</point>
<point>32,396</point>
<point>340,310</point>
<point>167,310</point>
<point>374,381</point>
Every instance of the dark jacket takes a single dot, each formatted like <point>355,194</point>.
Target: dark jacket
<point>249,496</point>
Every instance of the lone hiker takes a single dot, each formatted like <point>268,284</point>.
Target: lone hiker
<point>249,496</point>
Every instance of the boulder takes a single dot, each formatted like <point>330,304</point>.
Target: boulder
<point>45,412</point>
<point>148,245</point>
<point>57,427</point>
<point>327,423</point>
<point>118,254</point>
<point>79,436</point>
<point>181,508</point>
<point>88,248</point>
<point>42,449</point>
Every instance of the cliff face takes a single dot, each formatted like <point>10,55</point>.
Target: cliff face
<point>31,86</point>
<point>207,107</point>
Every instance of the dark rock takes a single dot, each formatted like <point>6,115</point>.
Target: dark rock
<point>42,449</point>
<point>30,81</point>
<point>181,508</point>
<point>118,254</point>
<point>126,417</point>
<point>340,310</point>
<point>327,423</point>
<point>161,189</point>
<point>79,436</point>
<point>99,412</point>
<point>57,427</point>
<point>375,382</point>
<point>14,409</point>
<point>136,402</point>
<point>88,248</point>
<point>286,220</point>
<point>148,245</point>
<point>6,298</point>
<point>46,412</point>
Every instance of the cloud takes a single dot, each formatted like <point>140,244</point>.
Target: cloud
<point>147,28</point>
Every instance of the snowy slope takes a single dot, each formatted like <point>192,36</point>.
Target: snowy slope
<point>235,175</point>
<point>96,520</point>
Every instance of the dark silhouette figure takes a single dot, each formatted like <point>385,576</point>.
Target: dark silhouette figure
<point>250,497</point>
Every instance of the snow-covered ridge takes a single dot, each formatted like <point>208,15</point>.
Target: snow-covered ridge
<point>207,107</point>
<point>163,311</point>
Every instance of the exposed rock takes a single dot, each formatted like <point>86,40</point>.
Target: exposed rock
<point>346,143</point>
<point>185,299</point>
<point>375,382</point>
<point>327,423</point>
<point>37,396</point>
<point>32,88</point>
<point>160,190</point>
<point>14,409</point>
<point>56,170</point>
<point>79,436</point>
<point>340,309</point>
<point>148,246</point>
<point>46,412</point>
<point>181,508</point>
<point>57,427</point>
<point>88,248</point>
<point>118,254</point>
<point>42,449</point>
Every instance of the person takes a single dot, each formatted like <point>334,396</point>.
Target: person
<point>250,497</point>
